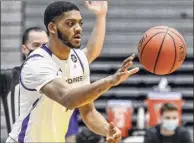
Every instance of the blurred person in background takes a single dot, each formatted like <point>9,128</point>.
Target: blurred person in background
<point>32,39</point>
<point>169,130</point>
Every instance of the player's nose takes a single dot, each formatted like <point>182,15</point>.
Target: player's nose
<point>78,29</point>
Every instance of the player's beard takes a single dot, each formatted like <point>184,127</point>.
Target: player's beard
<point>65,40</point>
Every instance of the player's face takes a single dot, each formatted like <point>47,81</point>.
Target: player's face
<point>35,40</point>
<point>69,29</point>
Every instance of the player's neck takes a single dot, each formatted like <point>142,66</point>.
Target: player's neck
<point>59,49</point>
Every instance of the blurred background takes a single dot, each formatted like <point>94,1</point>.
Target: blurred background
<point>126,23</point>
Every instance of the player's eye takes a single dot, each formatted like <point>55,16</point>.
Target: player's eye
<point>70,23</point>
<point>81,23</point>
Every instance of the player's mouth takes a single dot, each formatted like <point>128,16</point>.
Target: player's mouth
<point>77,37</point>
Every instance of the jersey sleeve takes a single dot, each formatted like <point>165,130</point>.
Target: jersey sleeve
<point>37,72</point>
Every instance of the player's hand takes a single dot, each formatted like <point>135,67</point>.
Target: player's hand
<point>113,134</point>
<point>99,8</point>
<point>123,73</point>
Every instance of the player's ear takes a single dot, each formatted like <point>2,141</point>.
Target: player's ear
<point>24,49</point>
<point>52,28</point>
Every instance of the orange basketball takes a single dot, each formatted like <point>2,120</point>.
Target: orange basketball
<point>162,50</point>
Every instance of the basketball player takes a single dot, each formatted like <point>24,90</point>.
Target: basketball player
<point>58,74</point>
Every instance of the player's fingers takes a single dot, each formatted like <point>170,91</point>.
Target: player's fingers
<point>128,59</point>
<point>94,3</point>
<point>87,4</point>
<point>111,125</point>
<point>133,71</point>
<point>110,140</point>
<point>117,136</point>
<point>126,66</point>
<point>122,73</point>
<point>104,3</point>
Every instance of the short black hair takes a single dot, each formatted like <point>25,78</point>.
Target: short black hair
<point>56,9</point>
<point>168,107</point>
<point>25,36</point>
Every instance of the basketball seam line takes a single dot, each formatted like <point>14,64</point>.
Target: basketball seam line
<point>179,37</point>
<point>159,51</point>
<point>151,30</point>
<point>147,43</point>
<point>172,32</point>
<point>175,53</point>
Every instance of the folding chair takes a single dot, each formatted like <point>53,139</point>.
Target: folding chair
<point>5,86</point>
<point>8,80</point>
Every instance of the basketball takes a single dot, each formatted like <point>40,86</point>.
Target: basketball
<point>161,50</point>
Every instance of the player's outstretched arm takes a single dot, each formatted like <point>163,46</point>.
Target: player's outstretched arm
<point>96,40</point>
<point>98,124</point>
<point>72,98</point>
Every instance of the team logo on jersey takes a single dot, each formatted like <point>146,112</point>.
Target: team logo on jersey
<point>73,58</point>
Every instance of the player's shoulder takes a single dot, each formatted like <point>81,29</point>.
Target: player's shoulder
<point>182,130</point>
<point>39,59</point>
<point>41,54</point>
<point>80,53</point>
<point>40,51</point>
<point>153,130</point>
